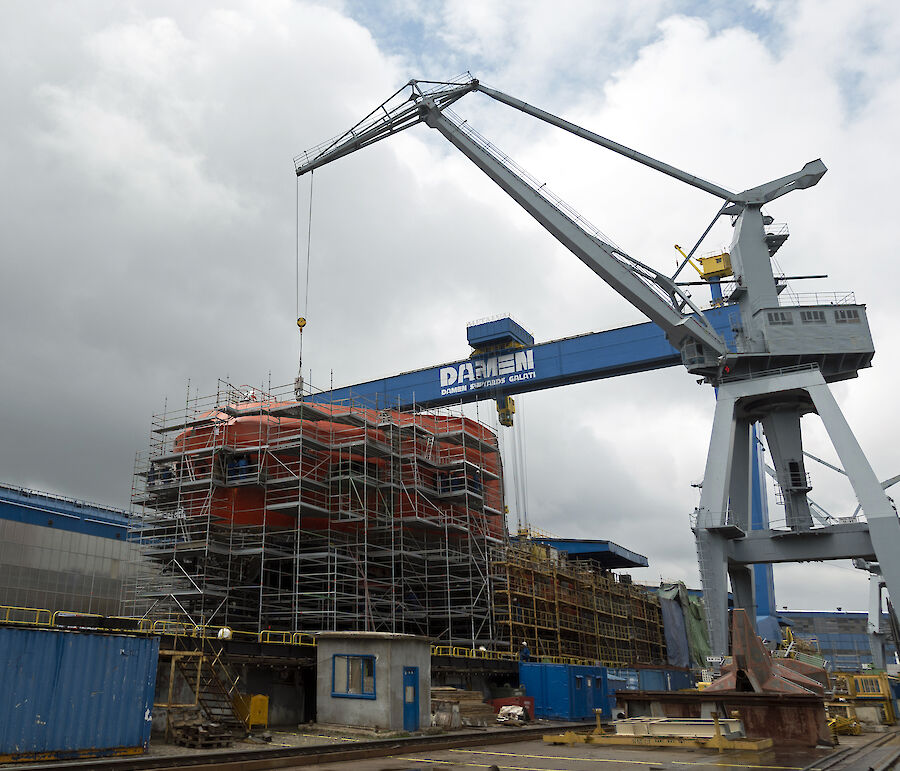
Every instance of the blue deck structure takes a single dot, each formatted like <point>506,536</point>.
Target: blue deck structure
<point>610,555</point>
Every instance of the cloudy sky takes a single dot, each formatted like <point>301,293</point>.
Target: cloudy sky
<point>149,221</point>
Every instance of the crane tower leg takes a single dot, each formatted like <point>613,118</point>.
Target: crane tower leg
<point>722,518</point>
<point>877,638</point>
<point>711,518</point>
<point>884,526</point>
<point>783,436</point>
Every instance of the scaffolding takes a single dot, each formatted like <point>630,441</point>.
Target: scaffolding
<point>259,512</point>
<point>576,608</point>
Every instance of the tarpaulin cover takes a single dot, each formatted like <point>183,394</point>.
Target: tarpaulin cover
<point>694,621</point>
<point>677,649</point>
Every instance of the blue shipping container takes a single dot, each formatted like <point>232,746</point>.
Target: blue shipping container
<point>71,694</point>
<point>630,676</point>
<point>566,691</point>
<point>656,679</point>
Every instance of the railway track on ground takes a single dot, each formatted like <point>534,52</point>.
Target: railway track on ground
<point>878,754</point>
<point>283,757</point>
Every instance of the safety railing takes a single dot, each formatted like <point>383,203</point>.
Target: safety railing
<point>457,651</point>
<point>871,686</point>
<point>72,620</point>
<point>282,637</point>
<point>817,298</point>
<point>66,619</point>
<point>10,614</point>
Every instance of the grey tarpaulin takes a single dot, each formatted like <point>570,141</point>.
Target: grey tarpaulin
<point>678,652</point>
<point>692,625</point>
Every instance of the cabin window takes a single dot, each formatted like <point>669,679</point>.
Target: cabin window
<point>812,317</point>
<point>353,677</point>
<point>847,316</point>
<point>780,317</point>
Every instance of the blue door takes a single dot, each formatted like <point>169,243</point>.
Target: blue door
<point>579,698</point>
<point>410,698</point>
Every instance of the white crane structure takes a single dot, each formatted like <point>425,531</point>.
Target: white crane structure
<point>776,369</point>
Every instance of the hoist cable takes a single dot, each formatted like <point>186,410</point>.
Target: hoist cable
<point>301,312</point>
<point>523,461</point>
<point>312,175</point>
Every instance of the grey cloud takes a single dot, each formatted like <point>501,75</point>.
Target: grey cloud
<point>149,225</point>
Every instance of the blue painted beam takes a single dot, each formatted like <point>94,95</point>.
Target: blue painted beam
<point>45,510</point>
<point>578,359</point>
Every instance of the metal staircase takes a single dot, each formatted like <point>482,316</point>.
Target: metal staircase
<point>215,685</point>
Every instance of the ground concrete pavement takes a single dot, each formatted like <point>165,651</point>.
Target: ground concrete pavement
<point>538,756</point>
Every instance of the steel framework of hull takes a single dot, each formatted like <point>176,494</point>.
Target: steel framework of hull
<point>564,607</point>
<point>259,513</point>
<point>317,517</point>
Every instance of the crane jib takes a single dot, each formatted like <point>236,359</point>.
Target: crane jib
<point>656,296</point>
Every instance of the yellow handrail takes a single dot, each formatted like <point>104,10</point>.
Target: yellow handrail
<point>303,638</point>
<point>477,653</point>
<point>39,616</point>
<point>276,636</point>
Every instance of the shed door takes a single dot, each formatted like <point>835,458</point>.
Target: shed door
<point>410,698</point>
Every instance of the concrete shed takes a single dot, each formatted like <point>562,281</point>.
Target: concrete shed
<point>374,679</point>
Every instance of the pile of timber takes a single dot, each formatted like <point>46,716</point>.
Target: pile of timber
<point>191,730</point>
<point>448,703</point>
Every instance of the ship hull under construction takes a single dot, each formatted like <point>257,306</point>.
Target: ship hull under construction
<point>259,512</point>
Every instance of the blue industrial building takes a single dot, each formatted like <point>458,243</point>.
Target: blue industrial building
<point>840,637</point>
<point>61,554</point>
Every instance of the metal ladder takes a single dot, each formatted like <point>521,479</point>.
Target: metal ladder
<point>211,679</point>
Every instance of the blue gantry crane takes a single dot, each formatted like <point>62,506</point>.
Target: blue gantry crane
<point>506,361</point>
<point>776,368</point>
<point>503,344</point>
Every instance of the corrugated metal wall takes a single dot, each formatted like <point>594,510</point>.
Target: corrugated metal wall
<point>64,693</point>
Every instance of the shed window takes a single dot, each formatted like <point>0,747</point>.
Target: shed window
<point>353,677</point>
